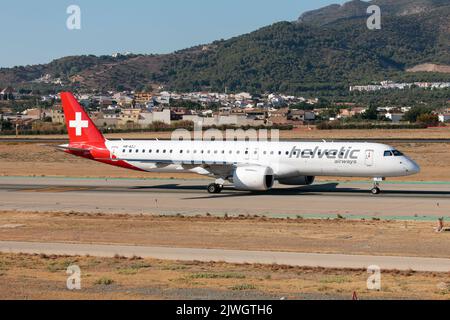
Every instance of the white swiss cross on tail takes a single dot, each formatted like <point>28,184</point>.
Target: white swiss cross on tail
<point>78,124</point>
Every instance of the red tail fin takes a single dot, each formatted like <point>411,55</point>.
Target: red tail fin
<point>80,127</point>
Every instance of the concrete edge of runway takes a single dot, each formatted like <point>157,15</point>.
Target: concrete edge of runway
<point>200,178</point>
<point>334,261</point>
<point>412,202</point>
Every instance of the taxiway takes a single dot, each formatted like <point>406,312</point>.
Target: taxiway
<point>338,261</point>
<point>189,197</point>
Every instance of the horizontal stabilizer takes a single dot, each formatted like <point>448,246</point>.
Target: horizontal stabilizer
<point>67,148</point>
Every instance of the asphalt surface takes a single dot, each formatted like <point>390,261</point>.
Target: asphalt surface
<point>339,261</point>
<point>189,197</point>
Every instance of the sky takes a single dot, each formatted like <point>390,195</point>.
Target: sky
<point>36,32</point>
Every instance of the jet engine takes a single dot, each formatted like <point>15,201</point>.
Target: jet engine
<point>297,181</point>
<point>253,178</point>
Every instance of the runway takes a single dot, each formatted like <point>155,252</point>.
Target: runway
<point>338,261</point>
<point>189,197</point>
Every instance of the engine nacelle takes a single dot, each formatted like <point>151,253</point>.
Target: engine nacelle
<point>253,178</point>
<point>298,181</point>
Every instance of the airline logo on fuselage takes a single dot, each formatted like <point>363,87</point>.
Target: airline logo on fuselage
<point>339,154</point>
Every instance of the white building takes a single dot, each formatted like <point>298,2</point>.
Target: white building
<point>243,96</point>
<point>444,117</point>
<point>219,120</point>
<point>147,118</point>
<point>394,117</point>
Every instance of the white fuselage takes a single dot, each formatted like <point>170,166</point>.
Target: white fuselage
<point>286,159</point>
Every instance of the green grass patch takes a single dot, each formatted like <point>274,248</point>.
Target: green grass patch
<point>243,287</point>
<point>224,275</point>
<point>56,266</point>
<point>174,268</point>
<point>104,281</point>
<point>127,271</point>
<point>335,279</point>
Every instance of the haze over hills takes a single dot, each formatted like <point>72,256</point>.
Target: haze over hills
<point>326,49</point>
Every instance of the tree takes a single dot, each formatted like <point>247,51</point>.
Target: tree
<point>415,113</point>
<point>429,119</point>
<point>302,106</point>
<point>5,125</point>
<point>371,113</point>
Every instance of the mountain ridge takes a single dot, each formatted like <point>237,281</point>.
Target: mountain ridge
<point>288,57</point>
<point>358,9</point>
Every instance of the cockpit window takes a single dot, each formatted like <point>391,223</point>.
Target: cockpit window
<point>391,153</point>
<point>397,153</point>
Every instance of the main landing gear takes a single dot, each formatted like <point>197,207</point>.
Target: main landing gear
<point>376,185</point>
<point>216,187</point>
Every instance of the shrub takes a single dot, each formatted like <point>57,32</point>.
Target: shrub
<point>242,287</point>
<point>104,281</point>
<point>336,125</point>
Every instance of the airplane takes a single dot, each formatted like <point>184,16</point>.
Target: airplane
<point>248,165</point>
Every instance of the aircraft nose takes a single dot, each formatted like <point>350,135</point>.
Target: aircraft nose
<point>412,167</point>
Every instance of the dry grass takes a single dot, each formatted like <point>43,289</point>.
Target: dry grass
<point>302,132</point>
<point>33,159</point>
<point>397,238</point>
<point>44,277</point>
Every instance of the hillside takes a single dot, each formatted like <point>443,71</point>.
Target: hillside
<point>429,67</point>
<point>326,50</point>
<point>357,9</point>
<point>299,57</point>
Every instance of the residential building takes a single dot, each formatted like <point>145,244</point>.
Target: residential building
<point>35,113</point>
<point>394,117</point>
<point>257,114</point>
<point>143,98</point>
<point>7,94</point>
<point>444,117</point>
<point>220,120</point>
<point>350,112</point>
<point>123,100</point>
<point>301,115</point>
<point>129,116</point>
<point>279,116</point>
<point>243,96</point>
<point>147,118</point>
<point>57,115</point>
<point>106,118</point>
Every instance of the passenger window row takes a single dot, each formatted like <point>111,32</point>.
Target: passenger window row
<point>295,153</point>
<point>201,151</point>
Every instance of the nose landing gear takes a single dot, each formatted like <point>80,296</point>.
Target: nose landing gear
<point>375,190</point>
<point>376,185</point>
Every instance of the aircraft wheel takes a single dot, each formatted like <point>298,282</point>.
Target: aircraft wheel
<point>214,188</point>
<point>376,190</point>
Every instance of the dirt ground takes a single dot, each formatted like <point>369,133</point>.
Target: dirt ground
<point>395,238</point>
<point>34,159</point>
<point>44,277</point>
<point>298,133</point>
